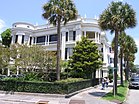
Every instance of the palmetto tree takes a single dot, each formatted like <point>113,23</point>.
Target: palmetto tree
<point>57,12</point>
<point>129,53</point>
<point>121,44</point>
<point>116,18</point>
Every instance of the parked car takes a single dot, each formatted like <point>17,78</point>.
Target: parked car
<point>16,76</point>
<point>2,77</point>
<point>134,82</point>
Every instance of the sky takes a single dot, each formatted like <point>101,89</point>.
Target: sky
<point>30,11</point>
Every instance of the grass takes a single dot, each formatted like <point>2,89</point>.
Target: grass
<point>121,94</point>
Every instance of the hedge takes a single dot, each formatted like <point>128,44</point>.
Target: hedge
<point>46,87</point>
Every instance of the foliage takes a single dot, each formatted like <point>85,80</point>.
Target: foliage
<point>33,58</point>
<point>58,12</point>
<point>85,59</point>
<point>129,54</point>
<point>4,57</point>
<point>116,18</point>
<point>63,9</point>
<point>63,87</point>
<point>6,37</point>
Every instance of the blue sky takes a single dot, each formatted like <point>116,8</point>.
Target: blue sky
<point>30,11</point>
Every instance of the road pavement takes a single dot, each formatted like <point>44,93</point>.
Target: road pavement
<point>133,96</point>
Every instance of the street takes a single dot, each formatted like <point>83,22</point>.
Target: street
<point>132,97</point>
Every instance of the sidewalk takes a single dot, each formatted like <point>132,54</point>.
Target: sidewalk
<point>90,96</point>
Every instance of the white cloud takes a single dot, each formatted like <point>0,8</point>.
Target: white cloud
<point>137,42</point>
<point>2,25</point>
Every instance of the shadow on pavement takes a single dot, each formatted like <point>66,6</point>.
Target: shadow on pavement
<point>98,94</point>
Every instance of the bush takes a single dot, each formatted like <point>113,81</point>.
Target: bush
<point>59,87</point>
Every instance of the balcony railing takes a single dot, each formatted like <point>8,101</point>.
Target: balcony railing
<point>90,20</point>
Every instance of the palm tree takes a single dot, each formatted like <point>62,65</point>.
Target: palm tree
<point>58,11</point>
<point>116,18</point>
<point>129,57</point>
<point>121,44</point>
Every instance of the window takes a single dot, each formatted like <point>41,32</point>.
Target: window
<point>90,34</point>
<point>34,40</point>
<point>70,52</point>
<point>66,36</point>
<point>102,59</point>
<point>101,49</point>
<point>72,35</point>
<point>110,49</point>
<point>40,39</point>
<point>111,60</point>
<point>22,39</point>
<point>16,38</point>
<point>82,33</point>
<point>30,41</point>
<point>52,38</point>
<point>66,52</point>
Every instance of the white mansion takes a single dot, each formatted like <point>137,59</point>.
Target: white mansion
<point>72,32</point>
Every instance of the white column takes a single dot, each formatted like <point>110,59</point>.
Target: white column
<point>13,39</point>
<point>104,53</point>
<point>98,37</point>
<point>8,73</point>
<point>17,71</point>
<point>45,39</point>
<point>78,32</point>
<point>63,45</point>
<point>19,38</point>
<point>78,35</point>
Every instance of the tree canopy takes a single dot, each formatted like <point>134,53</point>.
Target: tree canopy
<point>6,37</point>
<point>85,59</point>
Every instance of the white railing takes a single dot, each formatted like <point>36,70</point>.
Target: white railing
<point>90,20</point>
<point>43,26</point>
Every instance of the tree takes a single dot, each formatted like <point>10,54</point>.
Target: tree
<point>33,58</point>
<point>6,38</point>
<point>129,54</point>
<point>121,44</point>
<point>4,57</point>
<point>85,59</point>
<point>58,11</point>
<point>116,18</point>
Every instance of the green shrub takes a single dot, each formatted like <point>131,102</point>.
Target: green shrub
<point>59,87</point>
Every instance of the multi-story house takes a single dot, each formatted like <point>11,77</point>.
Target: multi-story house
<point>46,35</point>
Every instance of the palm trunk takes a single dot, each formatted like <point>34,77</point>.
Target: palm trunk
<point>58,49</point>
<point>127,71</point>
<point>121,66</point>
<point>115,61</point>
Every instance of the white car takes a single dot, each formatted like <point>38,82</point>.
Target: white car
<point>134,82</point>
